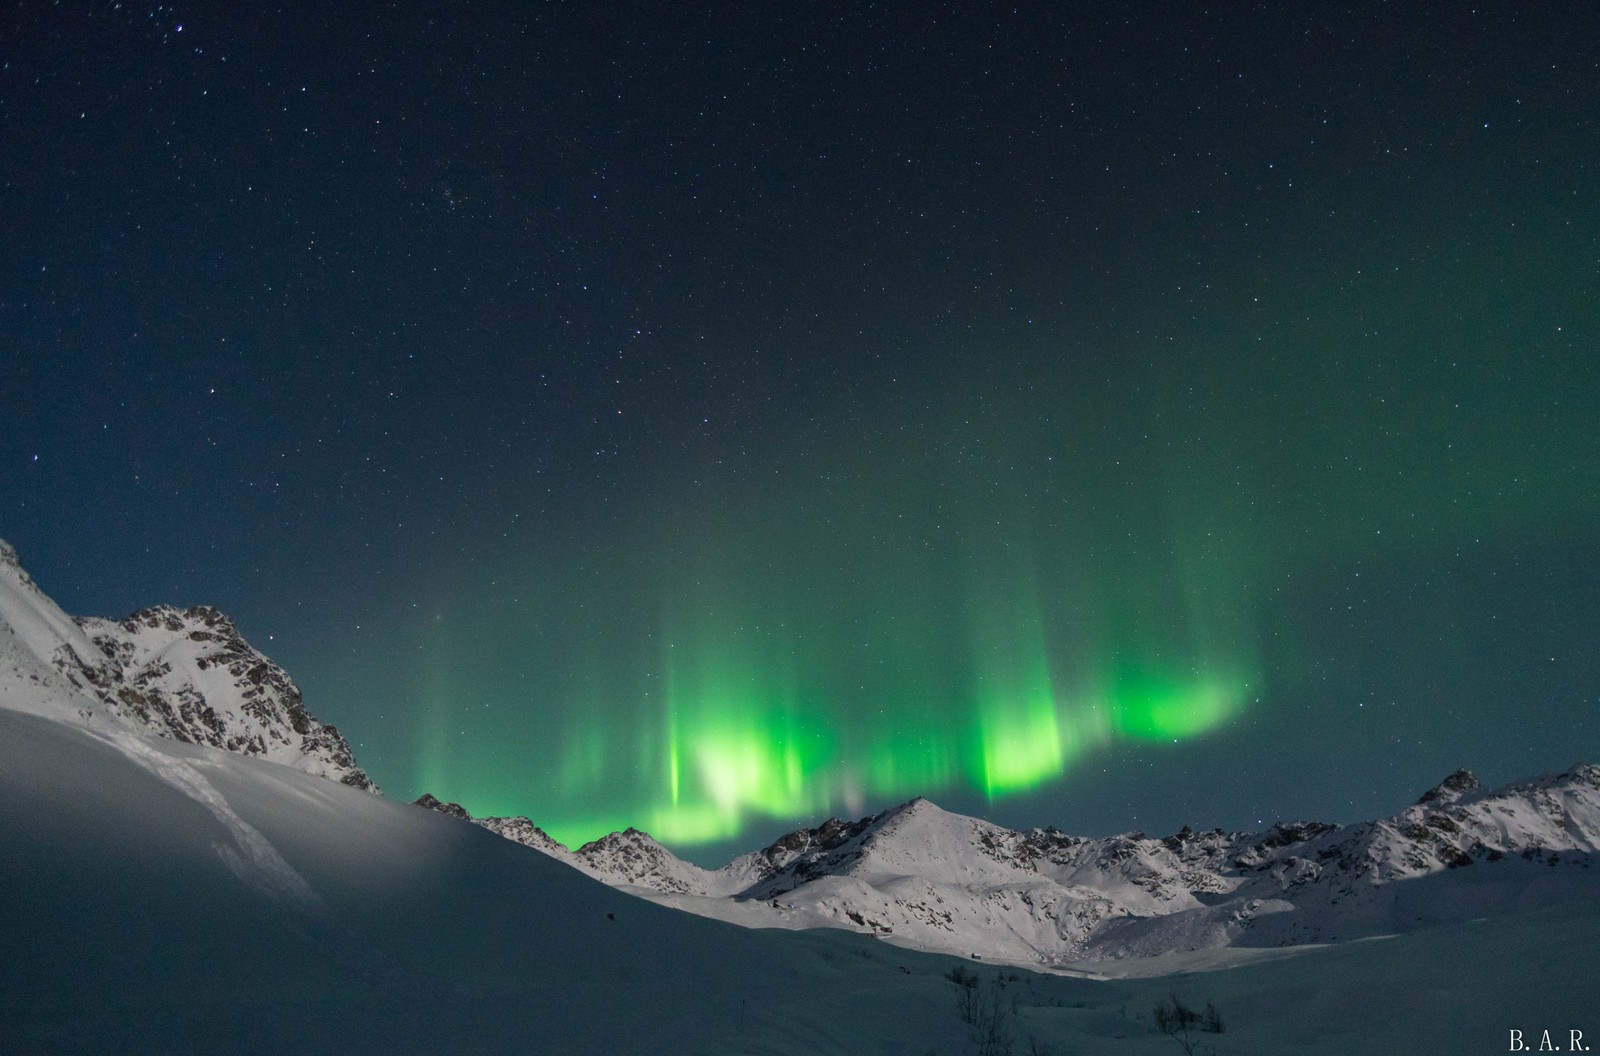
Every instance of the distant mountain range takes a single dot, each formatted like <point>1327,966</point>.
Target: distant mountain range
<point>914,875</point>
<point>922,877</point>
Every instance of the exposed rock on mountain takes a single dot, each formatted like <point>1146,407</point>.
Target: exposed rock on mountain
<point>187,674</point>
<point>628,859</point>
<point>517,830</point>
<point>1452,788</point>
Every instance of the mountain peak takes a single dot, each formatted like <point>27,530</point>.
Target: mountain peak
<point>171,618</point>
<point>428,801</point>
<point>921,810</point>
<point>948,882</point>
<point>635,858</point>
<point>1588,773</point>
<point>1452,788</point>
<point>824,837</point>
<point>614,841</point>
<point>186,674</point>
<point>189,674</point>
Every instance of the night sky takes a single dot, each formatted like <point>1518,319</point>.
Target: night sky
<point>709,420</point>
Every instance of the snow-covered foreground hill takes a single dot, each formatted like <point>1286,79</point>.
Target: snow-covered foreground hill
<point>165,898</point>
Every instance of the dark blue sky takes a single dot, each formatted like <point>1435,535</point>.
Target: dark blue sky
<point>713,418</point>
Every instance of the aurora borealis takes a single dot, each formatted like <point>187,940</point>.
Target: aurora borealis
<point>709,420</point>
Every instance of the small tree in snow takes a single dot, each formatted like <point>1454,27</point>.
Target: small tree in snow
<point>1183,1024</point>
<point>987,1010</point>
<point>991,1022</point>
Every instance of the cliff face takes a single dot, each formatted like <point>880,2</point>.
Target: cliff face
<point>187,674</point>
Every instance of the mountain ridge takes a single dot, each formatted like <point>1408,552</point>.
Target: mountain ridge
<point>921,876</point>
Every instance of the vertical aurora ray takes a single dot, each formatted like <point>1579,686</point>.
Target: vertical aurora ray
<point>919,760</point>
<point>674,774</point>
<point>1019,741</point>
<point>739,736</point>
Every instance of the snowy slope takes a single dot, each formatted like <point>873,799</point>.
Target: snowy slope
<point>181,673</point>
<point>631,860</point>
<point>47,663</point>
<point>260,909</point>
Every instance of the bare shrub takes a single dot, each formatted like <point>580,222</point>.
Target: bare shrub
<point>1184,1025</point>
<point>961,977</point>
<point>993,1011</point>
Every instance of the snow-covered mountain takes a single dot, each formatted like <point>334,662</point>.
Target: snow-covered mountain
<point>920,876</point>
<point>181,673</point>
<point>631,860</point>
<point>167,895</point>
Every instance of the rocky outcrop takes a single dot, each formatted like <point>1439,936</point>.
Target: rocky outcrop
<point>190,675</point>
<point>187,674</point>
<point>1452,788</point>
<point>517,830</point>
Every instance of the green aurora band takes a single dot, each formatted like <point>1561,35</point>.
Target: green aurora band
<point>750,697</point>
<point>732,746</point>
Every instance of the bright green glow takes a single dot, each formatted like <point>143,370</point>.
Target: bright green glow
<point>1153,707</point>
<point>1022,749</point>
<point>673,778</point>
<point>1027,754</point>
<point>739,738</point>
<point>741,767</point>
<point>1020,743</point>
<point>691,824</point>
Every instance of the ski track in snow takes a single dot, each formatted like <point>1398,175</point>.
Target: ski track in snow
<point>252,858</point>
